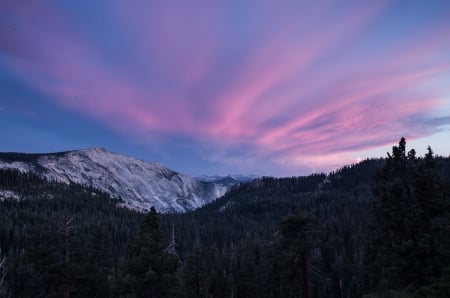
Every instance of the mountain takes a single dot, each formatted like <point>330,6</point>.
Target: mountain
<point>139,183</point>
<point>228,180</point>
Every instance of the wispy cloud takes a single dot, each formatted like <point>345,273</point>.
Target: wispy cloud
<point>290,84</point>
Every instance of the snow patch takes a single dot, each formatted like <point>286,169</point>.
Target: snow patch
<point>8,194</point>
<point>18,165</point>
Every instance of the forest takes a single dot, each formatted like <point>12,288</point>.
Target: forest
<point>379,228</point>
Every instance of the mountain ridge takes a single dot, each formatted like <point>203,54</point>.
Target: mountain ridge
<point>140,184</point>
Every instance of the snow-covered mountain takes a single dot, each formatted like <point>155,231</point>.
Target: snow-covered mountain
<point>139,183</point>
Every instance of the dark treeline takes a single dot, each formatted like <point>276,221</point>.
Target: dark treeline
<point>61,239</point>
<point>379,228</point>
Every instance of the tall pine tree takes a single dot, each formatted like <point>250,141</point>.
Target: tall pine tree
<point>151,269</point>
<point>300,232</point>
<point>406,248</point>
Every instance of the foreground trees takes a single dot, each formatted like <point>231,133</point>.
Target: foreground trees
<point>409,231</point>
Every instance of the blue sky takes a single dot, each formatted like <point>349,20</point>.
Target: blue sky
<point>216,87</point>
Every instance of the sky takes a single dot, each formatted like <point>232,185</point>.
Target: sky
<point>280,88</point>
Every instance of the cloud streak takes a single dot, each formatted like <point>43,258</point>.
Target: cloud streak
<point>290,84</point>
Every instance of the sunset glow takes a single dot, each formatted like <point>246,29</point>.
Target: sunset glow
<point>261,87</point>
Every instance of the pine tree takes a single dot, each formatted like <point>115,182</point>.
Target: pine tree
<point>50,264</point>
<point>98,265</point>
<point>196,278</point>
<point>404,247</point>
<point>151,270</point>
<point>300,232</point>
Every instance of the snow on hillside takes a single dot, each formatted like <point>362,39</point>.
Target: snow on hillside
<point>18,165</point>
<point>140,184</point>
<point>7,194</point>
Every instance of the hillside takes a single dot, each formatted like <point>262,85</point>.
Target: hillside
<point>231,247</point>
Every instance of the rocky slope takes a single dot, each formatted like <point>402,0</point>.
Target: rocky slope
<point>139,183</point>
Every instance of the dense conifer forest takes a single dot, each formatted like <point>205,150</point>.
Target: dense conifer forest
<point>379,228</point>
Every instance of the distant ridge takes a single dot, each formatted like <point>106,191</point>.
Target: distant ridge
<point>229,179</point>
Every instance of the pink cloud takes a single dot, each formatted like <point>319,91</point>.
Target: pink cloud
<point>287,97</point>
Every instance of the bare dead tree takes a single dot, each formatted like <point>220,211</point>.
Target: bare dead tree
<point>3,270</point>
<point>172,247</point>
<point>67,230</point>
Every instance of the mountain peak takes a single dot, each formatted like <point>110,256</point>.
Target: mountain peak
<point>94,150</point>
<point>139,183</point>
<point>99,149</point>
